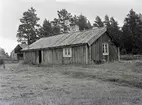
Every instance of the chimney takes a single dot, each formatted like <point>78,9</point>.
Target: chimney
<point>74,28</point>
<point>71,27</point>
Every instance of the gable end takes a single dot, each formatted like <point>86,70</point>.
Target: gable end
<point>91,41</point>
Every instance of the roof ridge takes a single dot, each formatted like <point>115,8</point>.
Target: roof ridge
<point>72,32</point>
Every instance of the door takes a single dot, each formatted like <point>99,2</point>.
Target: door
<point>40,56</point>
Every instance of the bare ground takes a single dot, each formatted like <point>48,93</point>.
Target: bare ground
<point>118,83</point>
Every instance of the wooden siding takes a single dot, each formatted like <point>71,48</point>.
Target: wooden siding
<point>113,54</point>
<point>52,56</point>
<point>96,50</point>
<point>30,57</point>
<point>55,56</point>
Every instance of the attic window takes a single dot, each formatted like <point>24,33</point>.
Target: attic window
<point>105,49</point>
<point>67,52</point>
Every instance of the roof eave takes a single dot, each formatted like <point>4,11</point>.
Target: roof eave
<point>71,45</point>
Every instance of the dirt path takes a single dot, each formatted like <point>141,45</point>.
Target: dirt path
<point>25,85</point>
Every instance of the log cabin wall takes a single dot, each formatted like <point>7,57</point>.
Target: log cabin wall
<point>78,55</point>
<point>113,56</point>
<point>55,56</point>
<point>95,50</point>
<point>30,57</point>
<point>52,56</point>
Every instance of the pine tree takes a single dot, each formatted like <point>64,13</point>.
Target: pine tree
<point>98,22</point>
<point>114,30</point>
<point>82,22</point>
<point>47,29</point>
<point>56,26</point>
<point>132,32</point>
<point>89,26</point>
<point>114,23</point>
<point>64,19</point>
<point>107,21</point>
<point>28,29</point>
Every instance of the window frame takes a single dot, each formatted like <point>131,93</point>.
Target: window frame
<point>67,52</point>
<point>105,49</point>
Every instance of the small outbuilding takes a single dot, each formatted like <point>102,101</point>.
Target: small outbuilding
<point>17,54</point>
<point>80,47</point>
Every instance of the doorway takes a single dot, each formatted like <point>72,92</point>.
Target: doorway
<point>40,56</point>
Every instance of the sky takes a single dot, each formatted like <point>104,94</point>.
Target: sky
<point>11,11</point>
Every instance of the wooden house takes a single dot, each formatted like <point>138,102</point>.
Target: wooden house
<point>81,47</point>
<point>13,55</point>
<point>17,54</point>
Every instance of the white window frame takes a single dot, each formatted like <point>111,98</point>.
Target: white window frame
<point>67,52</point>
<point>105,48</point>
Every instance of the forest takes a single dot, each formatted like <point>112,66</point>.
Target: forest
<point>129,35</point>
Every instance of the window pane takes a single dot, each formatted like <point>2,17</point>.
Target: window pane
<point>65,51</point>
<point>68,51</point>
<point>105,48</point>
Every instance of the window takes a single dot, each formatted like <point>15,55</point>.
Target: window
<point>105,49</point>
<point>67,52</point>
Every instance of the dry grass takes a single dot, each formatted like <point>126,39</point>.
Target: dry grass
<point>122,73</point>
<point>117,83</point>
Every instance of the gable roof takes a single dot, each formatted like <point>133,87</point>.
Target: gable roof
<point>19,47</point>
<point>80,37</point>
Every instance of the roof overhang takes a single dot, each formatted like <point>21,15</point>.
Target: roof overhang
<point>72,45</point>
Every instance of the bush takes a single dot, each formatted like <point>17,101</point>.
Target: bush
<point>123,51</point>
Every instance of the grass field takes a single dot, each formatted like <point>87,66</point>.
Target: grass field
<point>118,83</point>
